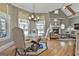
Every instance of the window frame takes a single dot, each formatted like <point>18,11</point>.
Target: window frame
<point>5,16</point>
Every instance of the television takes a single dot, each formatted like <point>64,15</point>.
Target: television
<point>76,26</point>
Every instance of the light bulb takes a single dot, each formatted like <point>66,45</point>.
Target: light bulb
<point>37,17</point>
<point>56,11</point>
<point>29,17</point>
<point>32,16</point>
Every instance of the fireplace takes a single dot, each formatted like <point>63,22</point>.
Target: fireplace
<point>55,31</point>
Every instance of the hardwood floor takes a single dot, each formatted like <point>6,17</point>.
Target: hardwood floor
<point>55,48</point>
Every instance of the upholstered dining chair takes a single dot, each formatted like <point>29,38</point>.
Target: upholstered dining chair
<point>21,46</point>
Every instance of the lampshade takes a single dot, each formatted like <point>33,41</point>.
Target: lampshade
<point>70,28</point>
<point>56,12</point>
<point>62,26</point>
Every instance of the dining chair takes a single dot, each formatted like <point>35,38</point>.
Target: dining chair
<point>19,39</point>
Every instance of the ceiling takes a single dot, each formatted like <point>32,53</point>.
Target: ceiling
<point>44,7</point>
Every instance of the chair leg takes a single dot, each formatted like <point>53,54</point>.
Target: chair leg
<point>15,51</point>
<point>24,52</point>
<point>20,53</point>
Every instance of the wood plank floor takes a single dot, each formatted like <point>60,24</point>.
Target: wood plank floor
<point>55,48</point>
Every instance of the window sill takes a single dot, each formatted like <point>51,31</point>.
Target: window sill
<point>4,38</point>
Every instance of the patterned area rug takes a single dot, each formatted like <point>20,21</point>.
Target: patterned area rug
<point>42,48</point>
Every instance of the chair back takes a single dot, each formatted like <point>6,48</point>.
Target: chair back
<point>18,36</point>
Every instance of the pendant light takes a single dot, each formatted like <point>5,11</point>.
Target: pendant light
<point>33,16</point>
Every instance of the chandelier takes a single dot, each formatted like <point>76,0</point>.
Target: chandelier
<point>33,15</point>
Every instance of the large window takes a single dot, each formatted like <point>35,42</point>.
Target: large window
<point>3,25</point>
<point>40,25</point>
<point>24,24</point>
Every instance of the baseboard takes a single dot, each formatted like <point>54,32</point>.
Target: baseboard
<point>2,48</point>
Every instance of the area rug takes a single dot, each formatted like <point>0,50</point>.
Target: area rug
<point>42,48</point>
<point>39,51</point>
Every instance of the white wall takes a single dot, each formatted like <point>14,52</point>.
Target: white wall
<point>75,20</point>
<point>13,12</point>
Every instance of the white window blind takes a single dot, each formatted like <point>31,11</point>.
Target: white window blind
<point>3,25</point>
<point>24,24</point>
<point>40,25</point>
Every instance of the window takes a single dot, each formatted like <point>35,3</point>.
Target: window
<point>3,25</point>
<point>40,25</point>
<point>24,24</point>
